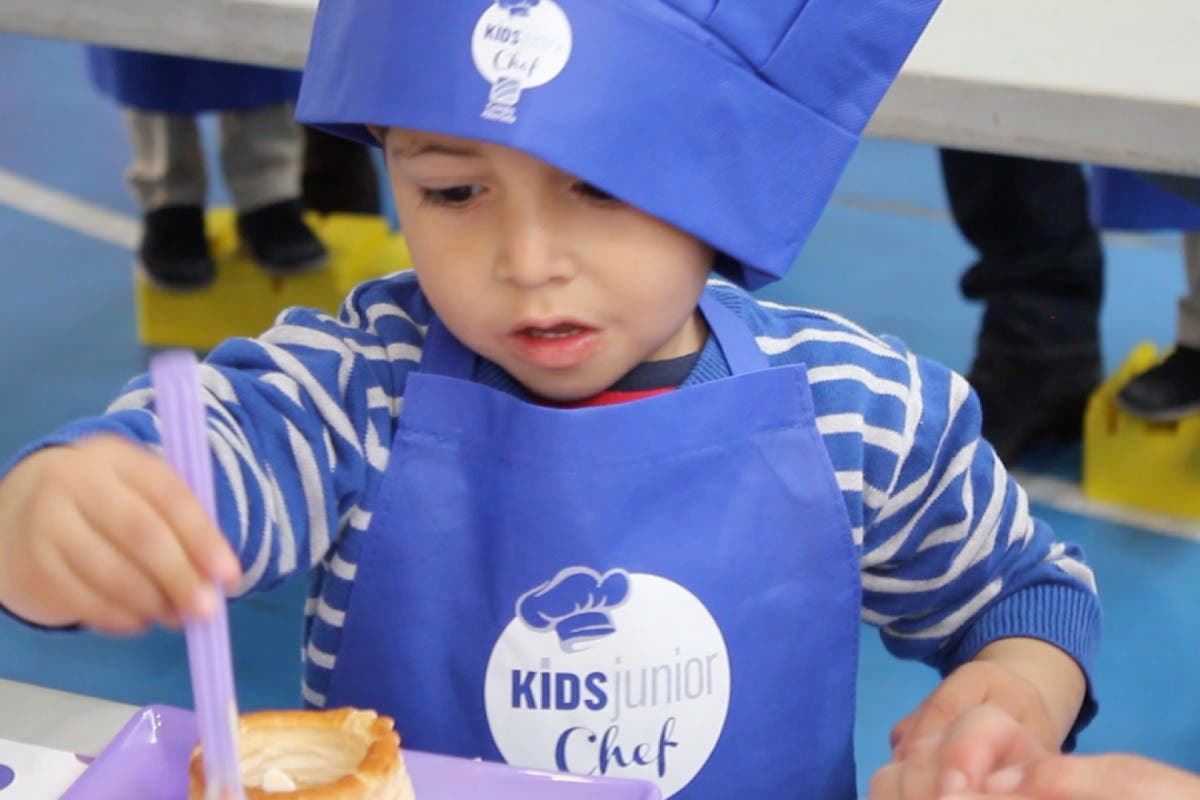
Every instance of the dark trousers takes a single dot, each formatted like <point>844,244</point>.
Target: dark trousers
<point>1040,271</point>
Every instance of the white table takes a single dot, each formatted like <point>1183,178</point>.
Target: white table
<point>59,720</point>
<point>1103,81</point>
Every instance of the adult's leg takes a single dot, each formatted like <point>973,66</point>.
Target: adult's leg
<point>1040,274</point>
<point>1171,389</point>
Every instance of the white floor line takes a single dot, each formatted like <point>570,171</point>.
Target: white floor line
<point>70,212</point>
<point>1067,496</point>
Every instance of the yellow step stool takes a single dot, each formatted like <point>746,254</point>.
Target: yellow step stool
<point>244,300</point>
<point>1152,466</point>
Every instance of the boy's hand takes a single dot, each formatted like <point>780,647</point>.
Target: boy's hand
<point>974,684</point>
<point>104,533</point>
<point>982,751</point>
<point>1032,684</point>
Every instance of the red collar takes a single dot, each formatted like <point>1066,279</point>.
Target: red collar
<point>610,397</point>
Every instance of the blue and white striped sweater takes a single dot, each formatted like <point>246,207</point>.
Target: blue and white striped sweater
<point>302,418</point>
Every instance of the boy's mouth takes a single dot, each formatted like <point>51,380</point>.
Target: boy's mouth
<point>561,331</point>
<point>554,344</point>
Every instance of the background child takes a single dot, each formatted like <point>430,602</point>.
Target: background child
<point>261,159</point>
<point>668,588</point>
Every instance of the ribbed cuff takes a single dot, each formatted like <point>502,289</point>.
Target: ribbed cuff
<point>1064,616</point>
<point>69,434</point>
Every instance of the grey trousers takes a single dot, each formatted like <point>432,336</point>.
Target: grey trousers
<point>261,151</point>
<point>1189,304</point>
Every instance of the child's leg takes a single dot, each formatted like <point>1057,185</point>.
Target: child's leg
<point>260,155</point>
<point>168,164</point>
<point>169,181</point>
<point>261,151</point>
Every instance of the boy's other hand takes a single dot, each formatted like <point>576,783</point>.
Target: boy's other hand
<point>1031,692</point>
<point>973,684</point>
<point>981,752</point>
<point>104,533</point>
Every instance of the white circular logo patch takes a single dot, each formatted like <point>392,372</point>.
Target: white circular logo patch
<point>519,45</point>
<point>617,674</point>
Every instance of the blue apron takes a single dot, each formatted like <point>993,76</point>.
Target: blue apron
<point>180,85</point>
<point>664,589</point>
<point>1122,199</point>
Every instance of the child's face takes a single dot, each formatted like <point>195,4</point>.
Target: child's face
<point>562,285</point>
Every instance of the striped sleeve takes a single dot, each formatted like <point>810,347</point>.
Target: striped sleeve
<point>951,557</point>
<point>300,423</point>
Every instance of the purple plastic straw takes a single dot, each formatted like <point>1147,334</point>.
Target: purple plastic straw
<point>176,382</point>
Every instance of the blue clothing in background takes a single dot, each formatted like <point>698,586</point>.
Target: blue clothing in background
<point>179,85</point>
<point>1126,200</point>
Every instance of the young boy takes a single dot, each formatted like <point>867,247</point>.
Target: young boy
<point>566,501</point>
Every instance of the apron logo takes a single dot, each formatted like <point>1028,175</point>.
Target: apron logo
<point>519,45</point>
<point>576,603</point>
<point>615,673</point>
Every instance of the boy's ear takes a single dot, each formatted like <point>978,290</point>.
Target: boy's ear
<point>379,132</point>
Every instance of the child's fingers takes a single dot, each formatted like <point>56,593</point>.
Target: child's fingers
<point>900,731</point>
<point>145,539</point>
<point>88,606</point>
<point>885,783</point>
<point>986,740</point>
<point>108,573</point>
<point>937,713</point>
<point>153,479</point>
<point>914,778</point>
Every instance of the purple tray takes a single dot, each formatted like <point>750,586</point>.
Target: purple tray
<point>148,760</point>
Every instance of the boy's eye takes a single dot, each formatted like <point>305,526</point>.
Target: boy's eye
<point>452,196</point>
<point>593,192</point>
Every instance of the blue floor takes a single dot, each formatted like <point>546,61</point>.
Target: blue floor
<point>885,254</point>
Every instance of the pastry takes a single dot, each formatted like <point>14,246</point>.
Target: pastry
<point>336,754</point>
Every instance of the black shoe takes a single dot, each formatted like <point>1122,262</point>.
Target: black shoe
<point>173,253</point>
<point>1028,400</point>
<point>1167,392</point>
<point>277,238</point>
<point>339,175</point>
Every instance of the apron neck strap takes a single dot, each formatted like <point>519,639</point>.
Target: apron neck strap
<point>445,355</point>
<point>734,336</point>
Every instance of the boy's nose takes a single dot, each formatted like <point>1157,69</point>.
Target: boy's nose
<point>533,254</point>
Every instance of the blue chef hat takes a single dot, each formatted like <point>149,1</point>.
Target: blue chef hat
<point>730,119</point>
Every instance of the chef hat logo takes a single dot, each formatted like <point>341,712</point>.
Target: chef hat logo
<point>519,8</point>
<point>575,603</point>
